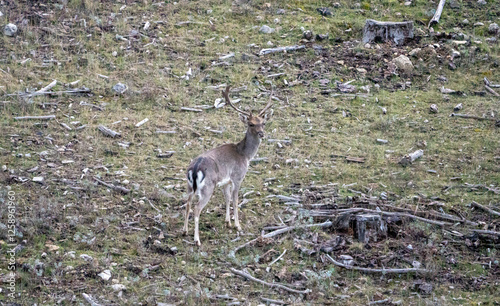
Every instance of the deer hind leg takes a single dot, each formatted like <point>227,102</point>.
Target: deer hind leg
<point>227,197</point>
<point>204,196</point>
<point>236,187</point>
<point>188,208</point>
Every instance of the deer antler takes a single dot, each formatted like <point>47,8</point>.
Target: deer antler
<point>268,103</point>
<point>225,93</point>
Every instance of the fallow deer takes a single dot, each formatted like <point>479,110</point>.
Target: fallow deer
<point>224,166</point>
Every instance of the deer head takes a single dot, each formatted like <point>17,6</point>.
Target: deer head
<point>255,123</point>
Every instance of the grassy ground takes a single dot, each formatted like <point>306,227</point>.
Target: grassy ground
<point>69,214</point>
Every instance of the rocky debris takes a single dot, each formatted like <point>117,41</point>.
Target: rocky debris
<point>324,11</point>
<point>454,54</point>
<point>404,64</point>
<point>105,275</point>
<point>38,179</point>
<point>458,107</point>
<point>415,52</point>
<point>493,28</point>
<point>120,88</point>
<point>433,108</point>
<point>482,2</point>
<point>465,22</point>
<point>280,12</point>
<point>10,30</point>
<point>321,37</point>
<point>118,287</point>
<point>308,34</point>
<point>266,29</point>
<point>398,32</point>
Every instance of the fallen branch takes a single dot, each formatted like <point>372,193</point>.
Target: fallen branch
<point>281,49</point>
<point>50,117</point>
<point>384,301</point>
<point>46,88</point>
<point>250,277</point>
<point>279,257</point>
<point>493,233</point>
<point>243,246</point>
<point>278,302</point>
<point>487,82</point>
<point>471,117</point>
<point>410,158</point>
<point>290,228</point>
<point>113,187</point>
<point>108,132</point>
<point>370,270</point>
<point>491,91</point>
<point>437,15</point>
<point>491,211</point>
<point>90,299</point>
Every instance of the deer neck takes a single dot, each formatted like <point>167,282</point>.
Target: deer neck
<point>249,145</point>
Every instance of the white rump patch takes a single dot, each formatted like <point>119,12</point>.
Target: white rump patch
<point>224,182</point>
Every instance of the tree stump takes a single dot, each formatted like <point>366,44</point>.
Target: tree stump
<point>383,31</point>
<point>370,227</point>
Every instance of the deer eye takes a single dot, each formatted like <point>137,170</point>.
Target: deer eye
<point>251,125</point>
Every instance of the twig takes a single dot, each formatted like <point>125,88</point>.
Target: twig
<point>250,277</point>
<point>90,299</point>
<point>152,205</point>
<point>108,132</point>
<point>111,186</point>
<point>471,117</point>
<point>491,211</point>
<point>50,117</point>
<point>279,257</point>
<point>46,88</point>
<point>493,233</point>
<point>370,270</point>
<point>244,245</point>
<point>437,15</point>
<point>410,158</point>
<point>380,302</point>
<point>290,228</point>
<point>279,302</point>
<point>487,82</point>
<point>490,90</point>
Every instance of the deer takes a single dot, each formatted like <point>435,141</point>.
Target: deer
<point>225,167</point>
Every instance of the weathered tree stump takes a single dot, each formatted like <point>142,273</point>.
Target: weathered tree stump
<point>370,227</point>
<point>383,31</point>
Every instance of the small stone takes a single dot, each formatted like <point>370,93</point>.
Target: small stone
<point>266,29</point>
<point>277,20</point>
<point>384,141</point>
<point>114,53</point>
<point>118,287</point>
<point>493,28</point>
<point>336,5</point>
<point>361,70</point>
<point>410,247</point>
<point>43,255</point>
<point>482,2</point>
<point>324,11</point>
<point>270,43</point>
<point>307,34</point>
<point>465,21</point>
<point>209,12</point>
<point>478,24</point>
<point>86,257</point>
<point>454,54</point>
<point>414,52</point>
<point>120,88</point>
<point>280,12</point>
<point>4,168</point>
<point>10,30</point>
<point>433,108</point>
<point>321,37</point>
<point>38,179</point>
<point>407,3</point>
<point>105,275</point>
<point>458,107</point>
<point>368,46</point>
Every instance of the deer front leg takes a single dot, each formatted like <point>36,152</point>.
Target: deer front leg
<point>188,208</point>
<point>236,188</point>
<point>227,197</point>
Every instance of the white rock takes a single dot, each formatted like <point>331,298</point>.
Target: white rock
<point>105,275</point>
<point>465,21</point>
<point>38,179</point>
<point>120,88</point>
<point>433,108</point>
<point>266,29</point>
<point>10,29</point>
<point>458,107</point>
<point>414,52</point>
<point>86,257</point>
<point>1,14</point>
<point>454,53</point>
<point>493,28</point>
<point>478,24</point>
<point>146,26</point>
<point>114,53</point>
<point>118,287</point>
<point>403,63</point>
<point>482,2</point>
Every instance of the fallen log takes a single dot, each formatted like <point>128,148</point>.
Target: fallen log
<point>113,187</point>
<point>487,209</point>
<point>471,117</point>
<point>437,15</point>
<point>398,32</point>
